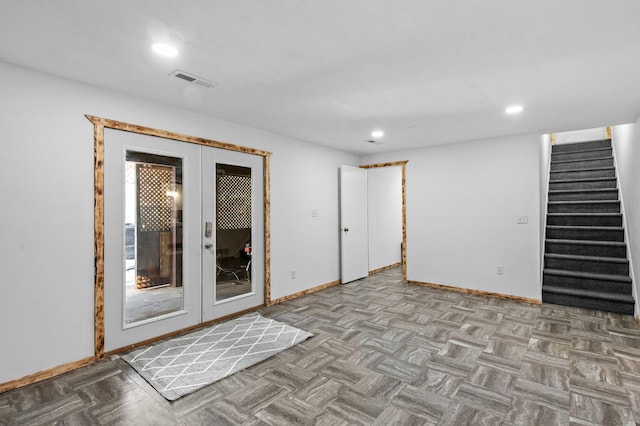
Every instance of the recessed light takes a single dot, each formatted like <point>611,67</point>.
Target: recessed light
<point>164,49</point>
<point>514,109</point>
<point>377,134</point>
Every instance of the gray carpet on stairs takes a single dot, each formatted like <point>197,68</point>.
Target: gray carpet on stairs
<point>585,262</point>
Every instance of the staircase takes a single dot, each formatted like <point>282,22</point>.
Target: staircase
<point>585,260</point>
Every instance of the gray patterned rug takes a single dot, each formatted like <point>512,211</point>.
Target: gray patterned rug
<point>184,364</point>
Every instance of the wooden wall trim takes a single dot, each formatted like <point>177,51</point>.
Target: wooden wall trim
<point>402,164</point>
<point>607,132</point>
<point>304,292</point>
<point>390,164</point>
<point>98,239</point>
<point>478,292</point>
<point>267,230</point>
<point>45,374</point>
<point>134,128</point>
<point>385,268</point>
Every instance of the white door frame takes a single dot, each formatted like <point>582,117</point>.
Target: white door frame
<point>99,214</point>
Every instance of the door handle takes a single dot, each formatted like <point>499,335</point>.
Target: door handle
<point>346,229</point>
<point>208,246</point>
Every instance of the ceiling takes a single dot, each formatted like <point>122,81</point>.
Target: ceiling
<point>331,71</point>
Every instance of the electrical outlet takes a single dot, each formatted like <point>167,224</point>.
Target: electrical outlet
<point>523,219</point>
<point>293,274</point>
<point>314,213</point>
<point>499,270</point>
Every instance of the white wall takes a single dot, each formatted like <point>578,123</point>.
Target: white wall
<point>46,221</point>
<point>626,143</point>
<point>594,134</point>
<point>384,207</point>
<point>463,201</point>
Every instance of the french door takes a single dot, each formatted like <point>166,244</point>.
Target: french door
<point>184,235</point>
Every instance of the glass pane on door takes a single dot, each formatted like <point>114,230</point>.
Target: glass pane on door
<point>153,237</point>
<point>233,231</point>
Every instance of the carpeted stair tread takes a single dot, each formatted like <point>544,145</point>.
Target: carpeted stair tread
<point>581,146</point>
<point>588,258</point>
<point>585,214</point>
<point>583,150</point>
<point>585,202</point>
<point>584,170</point>
<point>588,275</point>
<point>592,294</point>
<point>580,160</point>
<point>576,191</point>
<point>588,242</point>
<point>581,180</point>
<point>599,228</point>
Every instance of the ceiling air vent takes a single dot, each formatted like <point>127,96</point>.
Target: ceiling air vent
<point>193,79</point>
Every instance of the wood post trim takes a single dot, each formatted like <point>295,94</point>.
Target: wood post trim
<point>267,229</point>
<point>98,238</point>
<point>607,132</point>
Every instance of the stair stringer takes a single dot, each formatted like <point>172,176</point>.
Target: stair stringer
<point>548,142</point>
<point>623,210</point>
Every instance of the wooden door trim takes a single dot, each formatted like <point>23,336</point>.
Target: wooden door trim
<point>98,211</point>
<point>402,164</point>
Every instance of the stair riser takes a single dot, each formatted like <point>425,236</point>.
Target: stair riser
<point>587,303</point>
<point>573,147</point>
<point>584,196</point>
<point>586,250</point>
<point>586,284</point>
<point>581,155</point>
<point>586,234</point>
<point>583,174</point>
<point>584,164</point>
<point>585,220</point>
<point>584,208</point>
<point>587,266</point>
<point>594,184</point>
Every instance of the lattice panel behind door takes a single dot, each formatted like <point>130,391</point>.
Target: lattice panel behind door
<point>155,205</point>
<point>233,202</point>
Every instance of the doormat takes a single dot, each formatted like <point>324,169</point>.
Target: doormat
<point>187,363</point>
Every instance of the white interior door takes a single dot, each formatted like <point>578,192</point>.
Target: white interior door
<point>354,257</point>
<point>152,240</point>
<point>233,232</point>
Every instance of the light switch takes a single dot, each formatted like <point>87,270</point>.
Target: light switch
<point>314,213</point>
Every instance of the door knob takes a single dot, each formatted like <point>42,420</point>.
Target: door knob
<point>346,229</point>
<point>208,245</point>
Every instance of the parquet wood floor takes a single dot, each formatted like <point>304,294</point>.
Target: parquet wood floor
<point>385,353</point>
